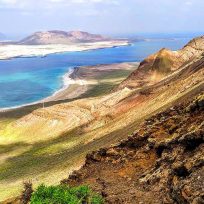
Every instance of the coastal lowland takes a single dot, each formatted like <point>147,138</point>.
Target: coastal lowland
<point>13,51</point>
<point>131,132</point>
<point>87,81</point>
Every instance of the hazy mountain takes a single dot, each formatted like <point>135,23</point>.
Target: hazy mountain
<point>61,37</point>
<point>2,36</point>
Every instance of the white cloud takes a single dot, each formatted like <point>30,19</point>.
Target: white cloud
<point>48,7</point>
<point>14,4</point>
<point>30,3</point>
<point>188,3</point>
<point>94,1</point>
<point>8,1</point>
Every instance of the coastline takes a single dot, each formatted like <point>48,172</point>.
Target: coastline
<point>69,79</point>
<point>8,52</point>
<point>80,86</point>
<point>78,81</point>
<point>66,79</point>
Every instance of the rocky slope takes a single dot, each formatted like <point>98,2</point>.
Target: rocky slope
<point>61,37</point>
<point>162,162</point>
<point>159,65</point>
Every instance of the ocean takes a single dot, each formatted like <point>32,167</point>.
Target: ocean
<point>26,80</point>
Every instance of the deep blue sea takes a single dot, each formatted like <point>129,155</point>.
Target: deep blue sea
<point>26,80</point>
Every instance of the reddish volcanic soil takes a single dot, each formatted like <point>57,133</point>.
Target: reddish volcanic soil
<point>162,162</point>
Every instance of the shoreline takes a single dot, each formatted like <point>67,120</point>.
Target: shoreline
<point>69,78</point>
<point>73,84</point>
<point>32,51</point>
<point>65,79</point>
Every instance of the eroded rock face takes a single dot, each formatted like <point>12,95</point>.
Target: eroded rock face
<point>163,162</point>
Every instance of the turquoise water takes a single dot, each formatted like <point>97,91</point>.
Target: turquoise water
<point>26,80</point>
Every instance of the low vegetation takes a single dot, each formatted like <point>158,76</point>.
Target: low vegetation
<point>62,194</point>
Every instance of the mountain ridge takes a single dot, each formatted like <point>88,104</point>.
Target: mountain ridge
<point>157,66</point>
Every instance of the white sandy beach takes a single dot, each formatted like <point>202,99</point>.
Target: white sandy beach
<point>64,92</point>
<point>14,51</point>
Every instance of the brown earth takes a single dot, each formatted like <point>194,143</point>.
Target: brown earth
<point>162,162</point>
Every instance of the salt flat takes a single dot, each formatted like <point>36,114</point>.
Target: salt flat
<point>13,51</point>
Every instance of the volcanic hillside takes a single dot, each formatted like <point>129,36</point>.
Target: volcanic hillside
<point>157,66</point>
<point>54,141</point>
<point>162,162</point>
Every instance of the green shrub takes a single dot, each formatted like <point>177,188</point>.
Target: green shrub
<point>65,195</point>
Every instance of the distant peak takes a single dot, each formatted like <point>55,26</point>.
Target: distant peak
<point>61,37</point>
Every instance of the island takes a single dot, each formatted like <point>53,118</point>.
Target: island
<point>50,42</point>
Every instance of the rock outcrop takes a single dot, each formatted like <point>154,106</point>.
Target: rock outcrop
<point>162,162</point>
<point>61,37</point>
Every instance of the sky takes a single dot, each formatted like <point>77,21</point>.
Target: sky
<point>111,17</point>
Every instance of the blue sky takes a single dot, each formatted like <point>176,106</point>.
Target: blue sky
<point>102,16</point>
